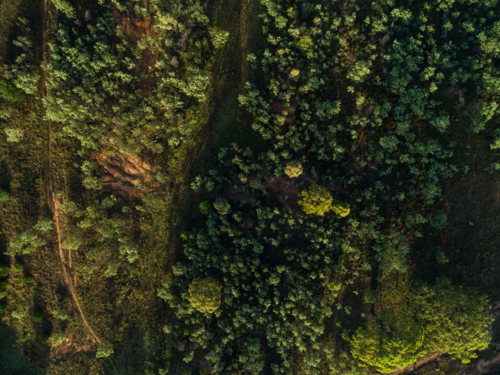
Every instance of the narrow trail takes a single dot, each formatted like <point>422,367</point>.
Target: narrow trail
<point>54,203</point>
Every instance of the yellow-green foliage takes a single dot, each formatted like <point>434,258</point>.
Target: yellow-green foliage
<point>316,201</point>
<point>437,318</point>
<point>453,319</point>
<point>205,295</point>
<point>341,208</point>
<point>388,348</point>
<point>334,285</point>
<point>293,169</point>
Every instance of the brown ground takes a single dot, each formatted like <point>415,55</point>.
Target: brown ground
<point>123,172</point>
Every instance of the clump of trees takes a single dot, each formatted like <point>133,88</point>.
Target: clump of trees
<point>436,318</point>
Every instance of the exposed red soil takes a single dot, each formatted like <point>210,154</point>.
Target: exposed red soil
<point>123,172</point>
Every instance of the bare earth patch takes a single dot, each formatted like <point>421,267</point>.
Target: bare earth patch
<point>128,176</point>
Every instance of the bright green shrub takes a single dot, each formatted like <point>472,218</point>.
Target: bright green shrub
<point>3,294</point>
<point>371,297</point>
<point>341,208</point>
<point>37,317</point>
<point>317,200</point>
<point>4,195</point>
<point>453,319</point>
<point>205,295</point>
<point>389,343</point>
<point>293,169</point>
<point>104,351</point>
<point>305,43</point>
<point>61,314</point>
<point>334,285</point>
<point>222,206</point>
<point>218,37</point>
<point>20,312</point>
<point>18,267</point>
<point>10,92</point>
<point>24,244</point>
<point>4,270</point>
<point>14,135</point>
<point>27,279</point>
<point>204,207</point>
<point>57,338</point>
<point>71,239</point>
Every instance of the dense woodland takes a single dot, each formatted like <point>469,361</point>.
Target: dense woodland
<point>249,187</point>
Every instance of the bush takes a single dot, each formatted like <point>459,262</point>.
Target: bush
<point>104,351</point>
<point>3,294</point>
<point>334,285</point>
<point>205,295</point>
<point>305,43</point>
<point>71,239</point>
<point>316,201</point>
<point>14,135</point>
<point>388,343</point>
<point>371,297</point>
<point>18,267</point>
<point>3,285</point>
<point>61,314</point>
<point>20,312</point>
<point>3,307</point>
<point>4,195</point>
<point>27,279</point>
<point>437,219</point>
<point>45,337</point>
<point>4,270</point>
<point>222,206</point>
<point>204,207</point>
<point>37,317</point>
<point>452,318</point>
<point>341,208</point>
<point>10,92</point>
<point>293,169</point>
<point>57,338</point>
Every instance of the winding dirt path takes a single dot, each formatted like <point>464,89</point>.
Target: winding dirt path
<point>54,203</point>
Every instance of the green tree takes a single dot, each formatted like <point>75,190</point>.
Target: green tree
<point>293,169</point>
<point>37,317</point>
<point>371,297</point>
<point>454,319</point>
<point>24,244</point>
<point>61,314</point>
<point>104,351</point>
<point>341,208</point>
<point>14,135</point>
<point>222,206</point>
<point>317,200</point>
<point>18,267</point>
<point>204,207</point>
<point>71,238</point>
<point>305,43</point>
<point>4,195</point>
<point>9,92</point>
<point>205,295</point>
<point>27,279</point>
<point>4,270</point>
<point>20,312</point>
<point>388,342</point>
